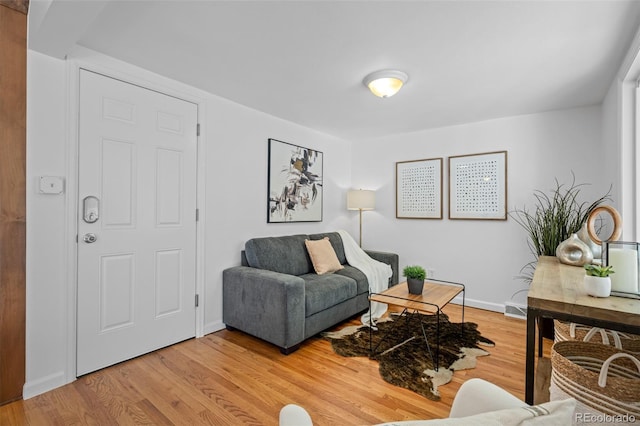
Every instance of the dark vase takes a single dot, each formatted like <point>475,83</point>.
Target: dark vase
<point>415,285</point>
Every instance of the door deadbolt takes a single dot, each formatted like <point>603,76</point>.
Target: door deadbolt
<point>91,209</point>
<point>90,238</point>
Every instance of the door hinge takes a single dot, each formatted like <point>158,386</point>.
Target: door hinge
<point>198,129</point>
<point>197,300</point>
<point>197,215</point>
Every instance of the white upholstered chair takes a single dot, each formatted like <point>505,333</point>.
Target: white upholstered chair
<point>476,397</point>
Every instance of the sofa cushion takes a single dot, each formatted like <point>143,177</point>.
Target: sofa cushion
<point>358,276</point>
<point>336,242</point>
<point>323,256</point>
<point>286,254</point>
<point>325,291</point>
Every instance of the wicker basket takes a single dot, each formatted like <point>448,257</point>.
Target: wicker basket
<point>604,380</point>
<point>565,331</point>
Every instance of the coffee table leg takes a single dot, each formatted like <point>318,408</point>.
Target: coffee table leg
<point>462,324</point>
<point>383,337</point>
<point>424,334</point>
<point>438,340</point>
<point>370,331</point>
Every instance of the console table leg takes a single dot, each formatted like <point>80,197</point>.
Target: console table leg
<point>530,356</point>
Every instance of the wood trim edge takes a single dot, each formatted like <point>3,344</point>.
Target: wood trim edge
<point>21,6</point>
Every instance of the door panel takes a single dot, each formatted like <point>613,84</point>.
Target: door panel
<point>168,282</point>
<point>136,273</point>
<point>116,291</point>
<point>118,167</point>
<point>169,170</point>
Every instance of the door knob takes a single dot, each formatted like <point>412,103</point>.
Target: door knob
<point>90,238</point>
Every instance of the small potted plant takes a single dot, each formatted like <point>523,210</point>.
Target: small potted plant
<point>415,278</point>
<point>597,282</point>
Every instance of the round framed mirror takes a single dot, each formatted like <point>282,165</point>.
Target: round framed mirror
<point>615,224</point>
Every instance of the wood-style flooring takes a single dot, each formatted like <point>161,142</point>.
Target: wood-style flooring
<point>230,378</point>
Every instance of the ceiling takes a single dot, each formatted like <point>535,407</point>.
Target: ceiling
<point>304,61</point>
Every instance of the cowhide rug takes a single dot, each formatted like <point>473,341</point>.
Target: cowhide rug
<point>403,356</point>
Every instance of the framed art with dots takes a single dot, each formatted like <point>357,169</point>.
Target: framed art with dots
<point>478,186</point>
<point>419,189</point>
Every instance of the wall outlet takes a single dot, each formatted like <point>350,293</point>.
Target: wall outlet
<point>431,273</point>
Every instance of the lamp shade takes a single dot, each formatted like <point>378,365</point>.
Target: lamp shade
<point>385,83</point>
<point>361,199</point>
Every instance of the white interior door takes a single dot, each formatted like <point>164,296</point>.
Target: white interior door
<point>136,221</point>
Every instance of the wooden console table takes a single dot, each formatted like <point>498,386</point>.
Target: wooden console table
<point>557,292</point>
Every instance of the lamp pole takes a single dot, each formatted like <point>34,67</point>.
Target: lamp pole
<point>361,200</point>
<point>360,240</point>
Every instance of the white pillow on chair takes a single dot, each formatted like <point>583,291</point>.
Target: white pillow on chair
<point>477,396</point>
<point>294,415</point>
<point>554,413</point>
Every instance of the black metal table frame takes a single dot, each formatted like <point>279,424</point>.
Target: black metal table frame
<point>437,312</point>
<point>533,314</point>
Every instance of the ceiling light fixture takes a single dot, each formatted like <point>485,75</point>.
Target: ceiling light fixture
<point>385,83</point>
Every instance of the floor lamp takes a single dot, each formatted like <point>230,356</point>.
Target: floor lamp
<point>361,199</point>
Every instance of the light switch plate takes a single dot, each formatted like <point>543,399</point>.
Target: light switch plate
<point>51,185</point>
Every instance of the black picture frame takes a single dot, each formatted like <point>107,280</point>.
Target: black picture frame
<point>294,184</point>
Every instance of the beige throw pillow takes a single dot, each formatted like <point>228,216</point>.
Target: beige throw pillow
<point>323,256</point>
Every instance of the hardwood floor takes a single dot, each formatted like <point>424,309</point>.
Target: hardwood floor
<point>229,378</point>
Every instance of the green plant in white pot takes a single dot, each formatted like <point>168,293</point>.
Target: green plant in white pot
<point>415,278</point>
<point>597,282</point>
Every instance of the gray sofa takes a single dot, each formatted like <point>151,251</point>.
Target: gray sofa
<point>276,295</point>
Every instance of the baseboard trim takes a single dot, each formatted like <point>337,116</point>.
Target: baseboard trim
<point>212,327</point>
<point>480,304</point>
<point>45,384</point>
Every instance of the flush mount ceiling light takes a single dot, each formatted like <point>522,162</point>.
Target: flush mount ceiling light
<point>385,83</point>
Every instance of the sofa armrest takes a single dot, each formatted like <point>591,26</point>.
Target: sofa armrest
<point>388,258</point>
<point>266,304</point>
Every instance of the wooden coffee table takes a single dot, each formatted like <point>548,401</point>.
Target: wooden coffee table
<point>436,294</point>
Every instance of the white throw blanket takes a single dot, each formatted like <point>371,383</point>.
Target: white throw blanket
<point>377,273</point>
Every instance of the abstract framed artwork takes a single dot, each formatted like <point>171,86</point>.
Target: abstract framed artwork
<point>419,189</point>
<point>294,183</point>
<point>478,186</point>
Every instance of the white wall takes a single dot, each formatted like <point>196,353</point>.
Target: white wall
<point>485,255</point>
<point>611,134</point>
<point>237,187</point>
<point>619,137</point>
<point>47,304</point>
<point>234,146</point>
<point>620,118</point>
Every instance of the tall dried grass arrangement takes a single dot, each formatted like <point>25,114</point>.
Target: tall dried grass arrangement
<point>553,219</point>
